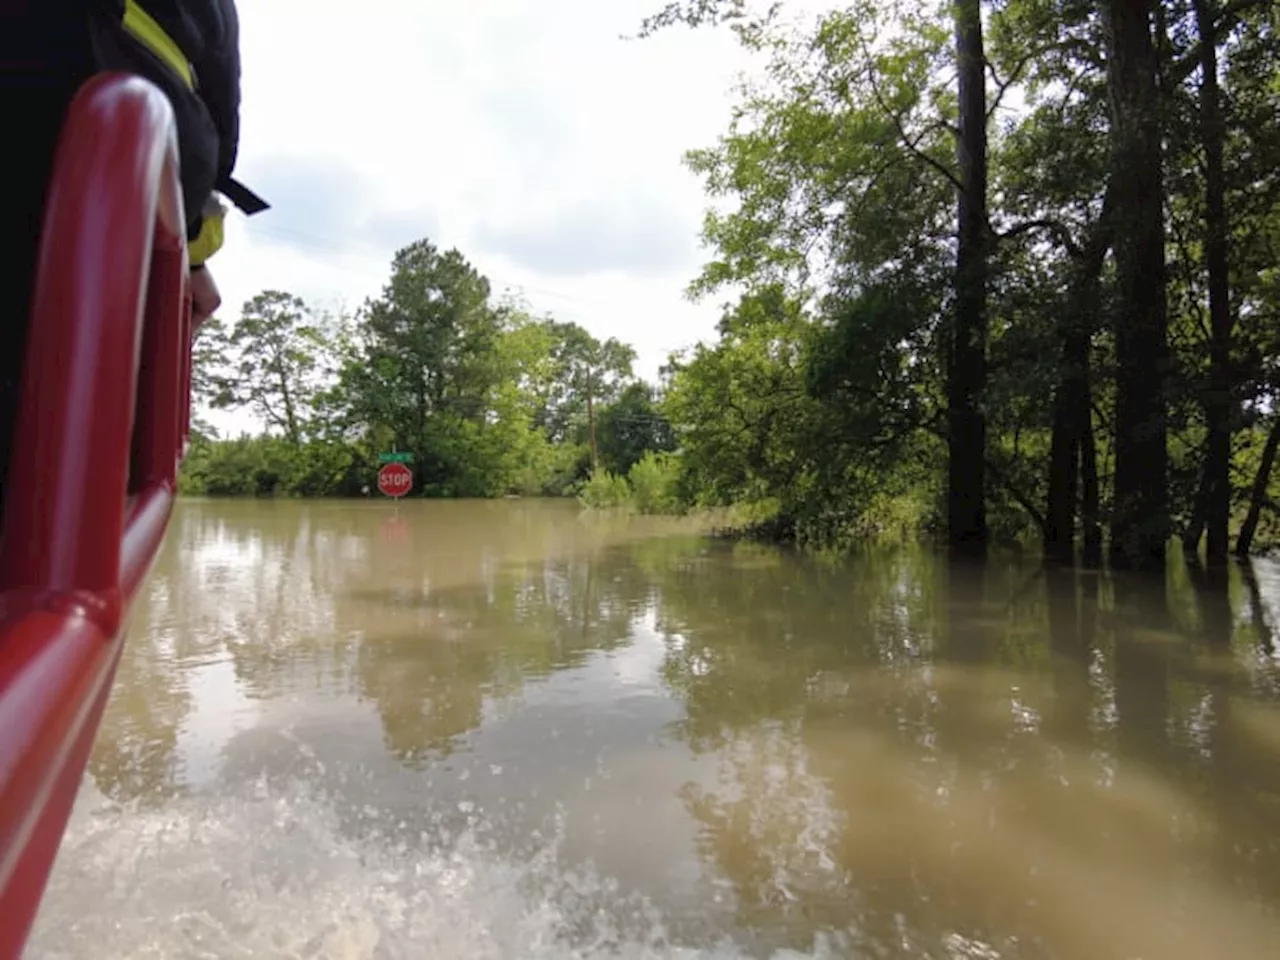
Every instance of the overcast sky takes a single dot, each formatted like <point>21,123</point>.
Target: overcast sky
<point>527,134</point>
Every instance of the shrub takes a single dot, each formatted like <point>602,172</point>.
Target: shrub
<point>654,481</point>
<point>605,491</point>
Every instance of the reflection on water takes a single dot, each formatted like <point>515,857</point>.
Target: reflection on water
<point>508,730</point>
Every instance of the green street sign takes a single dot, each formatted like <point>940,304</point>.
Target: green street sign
<point>395,458</point>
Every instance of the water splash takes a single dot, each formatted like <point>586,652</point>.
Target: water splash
<point>274,872</point>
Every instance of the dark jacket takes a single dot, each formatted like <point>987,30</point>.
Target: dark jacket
<point>207,32</point>
<point>48,49</point>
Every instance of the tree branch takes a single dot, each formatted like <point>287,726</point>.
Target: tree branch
<point>1060,232</point>
<point>1098,239</point>
<point>1179,70</point>
<point>912,146</point>
<point>1002,86</point>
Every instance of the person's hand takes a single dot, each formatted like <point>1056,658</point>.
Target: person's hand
<point>205,298</point>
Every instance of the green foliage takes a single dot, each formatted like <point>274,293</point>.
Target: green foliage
<point>631,427</point>
<point>490,400</point>
<point>652,486</point>
<point>278,347</point>
<point>822,404</point>
<point>247,466</point>
<point>603,490</point>
<point>655,483</point>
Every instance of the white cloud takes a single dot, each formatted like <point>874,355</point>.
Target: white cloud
<point>528,134</point>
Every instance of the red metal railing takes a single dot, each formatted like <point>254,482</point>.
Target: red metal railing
<point>101,426</point>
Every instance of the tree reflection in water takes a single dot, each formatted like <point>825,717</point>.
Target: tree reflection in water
<point>935,757</point>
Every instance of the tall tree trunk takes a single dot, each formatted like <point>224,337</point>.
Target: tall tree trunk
<point>1218,403</point>
<point>1090,510</point>
<point>1071,416</point>
<point>1140,518</point>
<point>966,370</point>
<point>292,432</point>
<point>1070,425</point>
<point>1258,496</point>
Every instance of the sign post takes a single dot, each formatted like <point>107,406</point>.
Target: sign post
<point>395,479</point>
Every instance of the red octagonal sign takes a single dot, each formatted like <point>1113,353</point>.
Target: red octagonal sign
<point>395,480</point>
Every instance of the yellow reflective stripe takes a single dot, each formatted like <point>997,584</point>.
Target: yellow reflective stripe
<point>140,23</point>
<point>207,242</point>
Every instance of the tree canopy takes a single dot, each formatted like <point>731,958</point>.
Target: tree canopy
<point>488,399</point>
<point>1006,266</point>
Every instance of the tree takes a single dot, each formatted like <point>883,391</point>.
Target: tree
<point>1218,408</point>
<point>847,155</point>
<point>1140,524</point>
<point>596,371</point>
<point>267,361</point>
<point>209,351</point>
<point>744,420</point>
<point>1052,171</point>
<point>966,366</point>
<point>428,363</point>
<point>632,426</point>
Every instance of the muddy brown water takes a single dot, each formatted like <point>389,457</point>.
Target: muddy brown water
<point>513,729</point>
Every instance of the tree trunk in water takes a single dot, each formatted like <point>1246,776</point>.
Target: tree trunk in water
<point>1218,403</point>
<point>1195,526</point>
<point>1064,461</point>
<point>966,369</point>
<point>1072,404</point>
<point>1090,511</point>
<point>1070,426</point>
<point>1140,520</point>
<point>1259,494</point>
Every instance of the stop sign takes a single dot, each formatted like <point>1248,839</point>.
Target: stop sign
<point>394,480</point>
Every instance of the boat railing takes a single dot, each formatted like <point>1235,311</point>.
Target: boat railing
<point>101,424</point>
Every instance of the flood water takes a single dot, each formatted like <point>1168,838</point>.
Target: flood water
<point>509,729</point>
